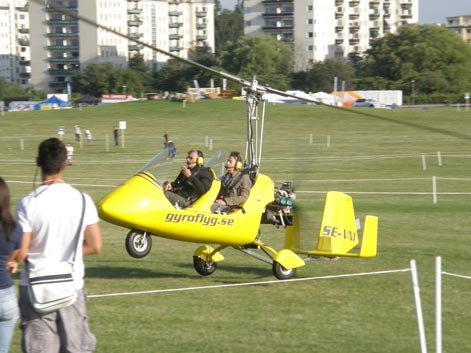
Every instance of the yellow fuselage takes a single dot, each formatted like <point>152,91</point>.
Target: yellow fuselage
<point>140,204</point>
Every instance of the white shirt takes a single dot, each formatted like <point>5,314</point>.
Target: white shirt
<point>52,213</point>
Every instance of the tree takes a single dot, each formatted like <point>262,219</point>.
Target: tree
<point>176,76</point>
<point>262,56</point>
<point>229,26</point>
<point>436,59</point>
<point>320,77</point>
<point>136,63</point>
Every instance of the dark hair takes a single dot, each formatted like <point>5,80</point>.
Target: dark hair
<point>51,155</point>
<point>6,219</point>
<point>236,155</point>
<point>198,152</point>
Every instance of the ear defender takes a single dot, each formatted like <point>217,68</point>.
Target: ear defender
<point>238,165</point>
<point>200,159</point>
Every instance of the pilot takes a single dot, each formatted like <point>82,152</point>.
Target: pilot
<point>193,181</point>
<point>235,186</point>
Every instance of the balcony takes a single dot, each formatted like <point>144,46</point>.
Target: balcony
<point>134,11</point>
<point>354,24</point>
<point>23,30</point>
<point>375,24</point>
<point>201,37</point>
<point>25,63</point>
<point>174,13</point>
<point>175,36</point>
<point>25,74</point>
<point>175,48</point>
<point>201,25</point>
<point>62,72</point>
<point>374,34</point>
<point>134,47</point>
<point>62,22</point>
<point>175,25</point>
<point>64,60</point>
<point>201,13</point>
<point>134,23</point>
<point>63,35</point>
<point>277,14</point>
<point>62,47</point>
<point>135,35</point>
<point>23,42</point>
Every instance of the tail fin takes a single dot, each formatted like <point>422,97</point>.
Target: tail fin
<point>339,234</point>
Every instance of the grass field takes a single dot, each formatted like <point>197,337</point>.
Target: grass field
<point>378,158</point>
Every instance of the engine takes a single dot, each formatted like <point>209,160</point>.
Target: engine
<point>277,212</point>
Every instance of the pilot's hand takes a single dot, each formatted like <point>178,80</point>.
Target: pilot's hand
<point>186,172</point>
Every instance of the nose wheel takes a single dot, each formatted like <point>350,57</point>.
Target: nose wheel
<point>138,243</point>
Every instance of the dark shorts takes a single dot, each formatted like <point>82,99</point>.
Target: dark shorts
<point>65,330</point>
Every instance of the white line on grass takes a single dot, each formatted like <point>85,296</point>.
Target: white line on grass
<point>246,284</point>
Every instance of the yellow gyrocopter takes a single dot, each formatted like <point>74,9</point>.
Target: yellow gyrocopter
<point>141,206</point>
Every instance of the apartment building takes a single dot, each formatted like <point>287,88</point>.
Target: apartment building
<point>14,41</point>
<point>321,29</point>
<point>42,47</point>
<point>461,25</point>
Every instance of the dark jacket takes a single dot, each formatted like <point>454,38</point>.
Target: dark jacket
<point>196,185</point>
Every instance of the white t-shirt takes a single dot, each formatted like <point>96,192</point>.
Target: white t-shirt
<point>52,213</point>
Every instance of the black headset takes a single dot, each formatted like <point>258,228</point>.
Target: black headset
<point>200,159</point>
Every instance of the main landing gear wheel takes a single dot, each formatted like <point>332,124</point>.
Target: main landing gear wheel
<point>204,268</point>
<point>138,243</point>
<point>283,273</point>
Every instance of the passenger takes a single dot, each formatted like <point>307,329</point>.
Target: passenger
<point>235,186</point>
<point>193,181</point>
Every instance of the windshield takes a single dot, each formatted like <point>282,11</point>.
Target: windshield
<point>164,168</point>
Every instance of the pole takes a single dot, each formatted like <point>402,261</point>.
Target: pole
<point>438,304</point>
<point>434,189</point>
<point>413,92</point>
<point>418,306</point>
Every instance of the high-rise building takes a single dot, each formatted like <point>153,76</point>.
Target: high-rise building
<point>45,45</point>
<point>461,25</point>
<point>321,29</point>
<point>14,41</point>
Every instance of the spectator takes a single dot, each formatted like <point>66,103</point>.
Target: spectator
<point>10,243</point>
<point>49,216</point>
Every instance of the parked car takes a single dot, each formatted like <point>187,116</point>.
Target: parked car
<point>367,103</point>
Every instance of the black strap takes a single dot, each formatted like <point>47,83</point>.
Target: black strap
<point>77,233</point>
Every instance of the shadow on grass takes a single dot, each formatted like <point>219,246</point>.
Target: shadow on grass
<point>129,272</point>
<point>120,272</point>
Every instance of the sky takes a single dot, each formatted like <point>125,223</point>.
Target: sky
<point>430,11</point>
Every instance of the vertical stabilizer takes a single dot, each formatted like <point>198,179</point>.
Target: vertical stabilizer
<point>338,233</point>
